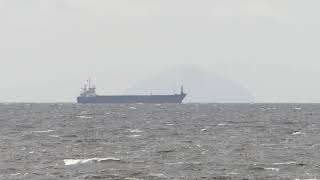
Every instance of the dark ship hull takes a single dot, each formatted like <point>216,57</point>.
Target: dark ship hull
<point>88,95</point>
<point>156,99</point>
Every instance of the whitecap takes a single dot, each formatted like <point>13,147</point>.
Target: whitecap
<point>84,117</point>
<point>131,178</point>
<point>83,112</point>
<point>285,163</point>
<point>46,131</point>
<point>204,152</point>
<point>266,109</point>
<point>55,136</point>
<point>176,163</point>
<point>297,133</point>
<point>297,108</point>
<point>156,174</point>
<point>203,130</point>
<point>222,124</point>
<point>135,135</point>
<point>17,174</point>
<point>272,169</point>
<point>135,131</point>
<point>69,162</point>
<point>132,108</point>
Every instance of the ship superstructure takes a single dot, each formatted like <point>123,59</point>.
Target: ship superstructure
<point>88,90</point>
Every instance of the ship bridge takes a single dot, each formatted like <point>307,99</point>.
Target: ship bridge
<point>89,90</point>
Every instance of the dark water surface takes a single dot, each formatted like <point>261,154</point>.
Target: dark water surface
<point>141,141</point>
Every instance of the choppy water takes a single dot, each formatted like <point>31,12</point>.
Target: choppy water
<point>141,141</point>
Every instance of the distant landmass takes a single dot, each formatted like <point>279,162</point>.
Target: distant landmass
<point>202,86</point>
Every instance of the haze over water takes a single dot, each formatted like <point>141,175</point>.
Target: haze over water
<point>50,47</point>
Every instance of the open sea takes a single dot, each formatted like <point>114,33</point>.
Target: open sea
<point>153,141</point>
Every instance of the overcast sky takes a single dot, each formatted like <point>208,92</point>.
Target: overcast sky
<point>48,48</point>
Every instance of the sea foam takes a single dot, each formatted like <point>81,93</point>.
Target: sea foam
<point>46,131</point>
<point>272,169</point>
<point>285,163</point>
<point>69,162</point>
<point>297,133</point>
<point>135,131</point>
<point>84,117</point>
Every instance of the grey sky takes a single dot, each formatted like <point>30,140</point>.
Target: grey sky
<point>47,47</point>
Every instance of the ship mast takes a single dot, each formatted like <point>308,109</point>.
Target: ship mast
<point>89,89</point>
<point>182,91</point>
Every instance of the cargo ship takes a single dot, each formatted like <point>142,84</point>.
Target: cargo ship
<point>88,95</point>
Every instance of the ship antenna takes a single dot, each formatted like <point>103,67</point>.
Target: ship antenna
<point>182,92</point>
